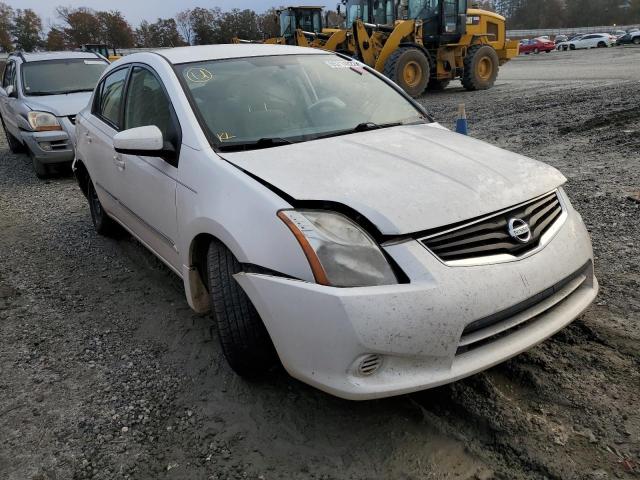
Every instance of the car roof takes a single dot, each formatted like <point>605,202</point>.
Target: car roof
<point>44,56</point>
<point>223,51</point>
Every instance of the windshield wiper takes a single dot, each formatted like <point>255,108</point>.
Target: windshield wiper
<point>265,142</point>
<point>58,92</point>
<point>361,127</point>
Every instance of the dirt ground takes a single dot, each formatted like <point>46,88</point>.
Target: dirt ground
<point>105,372</point>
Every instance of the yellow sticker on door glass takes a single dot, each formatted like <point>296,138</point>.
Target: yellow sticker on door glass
<point>199,75</point>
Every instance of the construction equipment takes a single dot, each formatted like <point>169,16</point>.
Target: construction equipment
<point>424,44</point>
<point>304,26</point>
<point>102,50</point>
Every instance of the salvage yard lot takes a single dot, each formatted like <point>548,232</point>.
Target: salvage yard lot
<point>106,373</point>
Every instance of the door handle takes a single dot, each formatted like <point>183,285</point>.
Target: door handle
<point>118,161</point>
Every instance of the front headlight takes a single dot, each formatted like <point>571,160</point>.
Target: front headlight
<point>43,121</point>
<point>340,253</point>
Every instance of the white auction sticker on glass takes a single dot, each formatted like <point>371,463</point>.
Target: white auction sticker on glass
<point>342,63</point>
<point>94,62</point>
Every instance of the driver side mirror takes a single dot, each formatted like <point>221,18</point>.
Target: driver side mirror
<point>145,141</point>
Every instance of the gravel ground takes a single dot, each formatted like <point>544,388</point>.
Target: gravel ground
<point>106,373</point>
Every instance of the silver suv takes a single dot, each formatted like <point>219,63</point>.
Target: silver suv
<point>40,96</point>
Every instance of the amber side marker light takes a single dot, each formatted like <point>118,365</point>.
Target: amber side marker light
<point>316,267</point>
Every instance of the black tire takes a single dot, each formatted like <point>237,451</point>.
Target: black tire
<point>602,45</point>
<point>42,171</point>
<point>572,47</point>
<point>437,85</point>
<point>14,144</point>
<point>102,222</point>
<point>636,40</point>
<point>481,66</point>
<point>536,51</point>
<point>409,68</point>
<point>244,338</point>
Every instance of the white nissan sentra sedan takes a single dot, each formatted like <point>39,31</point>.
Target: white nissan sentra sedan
<point>327,221</point>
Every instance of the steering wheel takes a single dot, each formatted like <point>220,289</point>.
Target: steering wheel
<point>326,105</point>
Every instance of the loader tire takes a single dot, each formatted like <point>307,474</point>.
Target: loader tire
<point>409,68</point>
<point>480,67</point>
<point>245,342</point>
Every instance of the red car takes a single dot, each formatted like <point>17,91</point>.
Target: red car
<point>536,45</point>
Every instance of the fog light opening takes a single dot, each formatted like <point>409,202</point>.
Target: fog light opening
<point>369,364</point>
<point>46,146</point>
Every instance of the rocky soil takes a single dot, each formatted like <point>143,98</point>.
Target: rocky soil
<point>105,373</point>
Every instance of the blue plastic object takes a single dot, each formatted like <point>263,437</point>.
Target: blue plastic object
<point>461,122</point>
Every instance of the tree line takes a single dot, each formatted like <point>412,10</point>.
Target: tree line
<point>530,14</point>
<point>23,28</point>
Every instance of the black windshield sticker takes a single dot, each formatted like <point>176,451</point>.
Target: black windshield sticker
<point>199,75</point>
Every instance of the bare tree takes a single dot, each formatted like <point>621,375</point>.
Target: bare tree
<point>183,21</point>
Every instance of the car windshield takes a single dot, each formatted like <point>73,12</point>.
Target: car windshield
<point>260,102</point>
<point>57,77</point>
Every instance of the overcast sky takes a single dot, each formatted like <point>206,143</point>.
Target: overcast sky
<point>137,10</point>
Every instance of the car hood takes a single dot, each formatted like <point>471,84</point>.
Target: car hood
<point>403,179</point>
<point>60,105</point>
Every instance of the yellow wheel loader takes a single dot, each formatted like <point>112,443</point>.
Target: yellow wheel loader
<point>304,27</point>
<point>424,44</point>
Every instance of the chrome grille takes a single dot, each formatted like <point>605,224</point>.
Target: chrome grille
<point>490,235</point>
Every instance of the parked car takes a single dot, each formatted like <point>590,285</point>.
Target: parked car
<point>537,45</point>
<point>618,33</point>
<point>326,220</point>
<point>592,40</point>
<point>560,38</point>
<point>633,37</point>
<point>40,97</point>
<point>564,46</point>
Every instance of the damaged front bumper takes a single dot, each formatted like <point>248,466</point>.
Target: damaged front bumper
<point>419,332</point>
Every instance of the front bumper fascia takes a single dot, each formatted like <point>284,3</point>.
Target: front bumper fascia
<point>321,332</point>
<point>60,142</point>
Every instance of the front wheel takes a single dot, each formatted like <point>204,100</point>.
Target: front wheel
<point>40,168</point>
<point>244,338</point>
<point>602,45</point>
<point>409,68</point>
<point>480,67</point>
<point>536,51</point>
<point>636,41</point>
<point>14,144</point>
